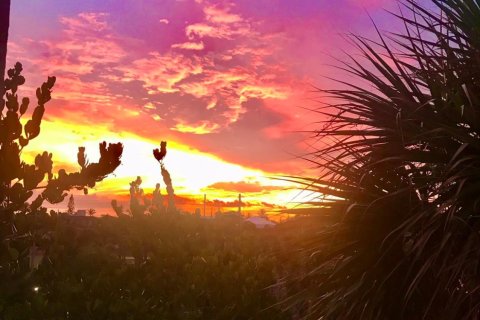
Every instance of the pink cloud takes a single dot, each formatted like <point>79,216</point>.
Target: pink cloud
<point>221,79</point>
<point>89,58</point>
<point>219,23</point>
<point>81,49</point>
<point>161,72</point>
<point>188,92</point>
<point>189,46</point>
<point>85,22</point>
<point>222,16</point>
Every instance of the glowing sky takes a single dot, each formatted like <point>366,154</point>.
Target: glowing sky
<point>223,81</point>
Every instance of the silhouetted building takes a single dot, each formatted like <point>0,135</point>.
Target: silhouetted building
<point>81,213</point>
<point>261,222</point>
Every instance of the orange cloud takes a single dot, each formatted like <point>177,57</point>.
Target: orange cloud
<point>203,127</point>
<point>244,187</point>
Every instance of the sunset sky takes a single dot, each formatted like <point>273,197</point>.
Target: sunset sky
<point>226,83</point>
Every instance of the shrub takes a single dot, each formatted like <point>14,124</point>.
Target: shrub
<point>401,169</point>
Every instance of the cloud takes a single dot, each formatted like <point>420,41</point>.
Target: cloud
<point>218,15</point>
<point>189,46</point>
<point>203,127</point>
<point>178,93</point>
<point>81,49</point>
<point>219,23</point>
<point>250,143</point>
<point>222,77</point>
<point>81,56</point>
<point>243,187</point>
<point>161,73</point>
<point>201,84</point>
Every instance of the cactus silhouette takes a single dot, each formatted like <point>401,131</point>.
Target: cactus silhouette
<point>168,182</point>
<point>118,209</point>
<point>157,199</point>
<point>18,179</point>
<point>71,205</point>
<point>139,203</point>
<point>160,156</point>
<point>137,195</point>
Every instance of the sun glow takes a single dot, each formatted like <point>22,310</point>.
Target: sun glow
<point>193,172</point>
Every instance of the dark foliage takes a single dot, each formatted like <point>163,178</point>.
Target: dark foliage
<point>19,180</point>
<point>151,267</point>
<point>401,170</point>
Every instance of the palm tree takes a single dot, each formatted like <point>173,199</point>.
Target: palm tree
<point>401,170</point>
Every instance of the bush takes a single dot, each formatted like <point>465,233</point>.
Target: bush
<point>402,171</point>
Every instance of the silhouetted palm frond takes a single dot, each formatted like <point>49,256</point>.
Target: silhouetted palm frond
<point>404,174</point>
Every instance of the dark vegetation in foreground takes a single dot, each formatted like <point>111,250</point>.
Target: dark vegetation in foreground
<point>401,165</point>
<point>159,266</point>
<point>399,172</point>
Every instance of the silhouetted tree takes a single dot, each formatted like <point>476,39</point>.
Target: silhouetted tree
<point>18,180</point>
<point>71,205</point>
<point>170,192</point>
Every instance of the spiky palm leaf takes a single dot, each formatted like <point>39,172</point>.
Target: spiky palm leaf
<point>404,173</point>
